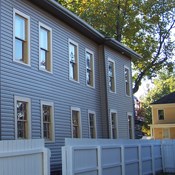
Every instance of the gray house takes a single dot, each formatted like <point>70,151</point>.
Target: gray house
<point>60,78</point>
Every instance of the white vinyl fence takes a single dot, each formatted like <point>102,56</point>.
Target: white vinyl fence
<point>24,157</point>
<point>111,157</point>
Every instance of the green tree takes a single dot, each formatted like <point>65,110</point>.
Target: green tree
<point>163,85</point>
<point>143,25</point>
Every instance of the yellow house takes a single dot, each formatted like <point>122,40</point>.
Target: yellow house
<point>163,117</point>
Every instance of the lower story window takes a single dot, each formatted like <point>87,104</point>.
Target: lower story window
<point>22,118</point>
<point>92,124</point>
<point>113,116</point>
<point>47,110</point>
<point>130,126</point>
<point>76,124</point>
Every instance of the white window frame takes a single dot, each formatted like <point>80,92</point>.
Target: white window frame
<point>76,44</point>
<point>17,12</point>
<point>95,124</point>
<point>132,124</point>
<point>158,114</point>
<point>51,104</point>
<point>93,69</point>
<point>112,111</point>
<point>79,119</point>
<point>125,67</point>
<point>111,60</point>
<point>28,100</point>
<point>50,47</point>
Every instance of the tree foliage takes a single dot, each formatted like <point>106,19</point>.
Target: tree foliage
<point>143,25</point>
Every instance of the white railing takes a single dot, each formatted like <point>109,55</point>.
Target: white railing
<point>111,157</point>
<point>24,157</point>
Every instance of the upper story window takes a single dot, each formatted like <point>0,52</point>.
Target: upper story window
<point>113,116</point>
<point>76,123</point>
<point>127,81</point>
<point>45,46</point>
<point>73,61</point>
<point>92,124</point>
<point>161,114</point>
<point>22,118</point>
<point>111,75</point>
<point>47,115</point>
<point>89,68</point>
<point>21,38</point>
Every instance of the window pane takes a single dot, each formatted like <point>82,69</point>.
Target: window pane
<point>18,50</point>
<point>88,60</point>
<point>19,27</point>
<point>43,38</point>
<point>75,122</point>
<point>43,56</point>
<point>21,110</point>
<point>72,53</point>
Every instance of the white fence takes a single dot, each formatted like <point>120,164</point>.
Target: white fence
<point>111,157</point>
<point>24,157</point>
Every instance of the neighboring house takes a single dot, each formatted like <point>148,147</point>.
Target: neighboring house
<point>163,117</point>
<point>60,78</point>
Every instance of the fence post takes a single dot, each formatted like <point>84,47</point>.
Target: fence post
<point>64,161</point>
<point>153,160</point>
<point>99,158</point>
<point>46,161</point>
<point>123,159</point>
<point>140,159</point>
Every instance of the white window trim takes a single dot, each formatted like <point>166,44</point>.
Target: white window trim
<point>50,43</point>
<point>92,112</point>
<point>158,114</point>
<point>15,11</point>
<point>52,122</point>
<point>93,71</point>
<point>116,124</point>
<point>80,124</point>
<point>76,44</point>
<point>28,100</point>
<point>111,60</point>
<point>132,124</point>
<point>126,67</point>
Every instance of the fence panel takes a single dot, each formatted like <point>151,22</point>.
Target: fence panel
<point>24,157</point>
<point>122,157</point>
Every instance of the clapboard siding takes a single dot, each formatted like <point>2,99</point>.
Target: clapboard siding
<point>30,82</point>
<point>119,101</point>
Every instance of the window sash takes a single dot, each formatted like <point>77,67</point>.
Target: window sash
<point>161,114</point>
<point>127,82</point>
<point>76,124</point>
<point>89,69</point>
<point>111,76</point>
<point>47,121</point>
<point>114,125</point>
<point>20,27</point>
<point>22,119</point>
<point>92,125</point>
<point>73,61</point>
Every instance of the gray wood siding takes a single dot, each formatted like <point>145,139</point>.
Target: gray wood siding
<point>119,101</point>
<point>26,81</point>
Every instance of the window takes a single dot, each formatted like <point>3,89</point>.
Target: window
<point>113,116</point>
<point>47,118</point>
<point>21,37</point>
<point>161,114</point>
<point>45,48</point>
<point>111,75</point>
<point>73,61</point>
<point>130,126</point>
<point>127,81</point>
<point>92,124</point>
<point>76,124</point>
<point>22,118</point>
<point>89,68</point>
